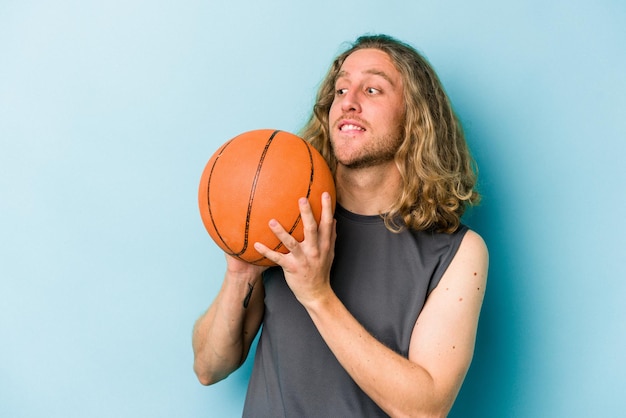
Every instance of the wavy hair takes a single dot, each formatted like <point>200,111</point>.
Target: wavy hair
<point>437,169</point>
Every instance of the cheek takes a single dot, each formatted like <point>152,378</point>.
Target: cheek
<point>400,117</point>
<point>333,113</point>
<point>392,120</point>
<point>334,106</point>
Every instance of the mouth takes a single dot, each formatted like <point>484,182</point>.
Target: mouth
<point>350,126</point>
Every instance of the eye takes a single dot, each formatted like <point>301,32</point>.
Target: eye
<point>340,92</point>
<point>372,90</point>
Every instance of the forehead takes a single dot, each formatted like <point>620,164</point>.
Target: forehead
<point>370,61</point>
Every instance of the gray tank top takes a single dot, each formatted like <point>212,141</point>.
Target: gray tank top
<point>383,278</point>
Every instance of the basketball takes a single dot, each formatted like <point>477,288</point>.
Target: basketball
<point>255,177</point>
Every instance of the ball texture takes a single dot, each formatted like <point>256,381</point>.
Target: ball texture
<point>255,177</point>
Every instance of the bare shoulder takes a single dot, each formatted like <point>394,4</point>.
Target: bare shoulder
<point>470,265</point>
<point>474,246</point>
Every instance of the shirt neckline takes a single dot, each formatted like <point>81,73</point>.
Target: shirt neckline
<point>345,213</point>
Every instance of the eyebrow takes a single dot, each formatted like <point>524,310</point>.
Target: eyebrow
<point>343,73</point>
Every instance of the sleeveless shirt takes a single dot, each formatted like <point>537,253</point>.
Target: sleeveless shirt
<point>383,278</point>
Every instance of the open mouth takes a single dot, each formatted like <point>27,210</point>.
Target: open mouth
<point>346,126</point>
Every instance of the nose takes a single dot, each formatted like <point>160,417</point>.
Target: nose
<point>350,101</point>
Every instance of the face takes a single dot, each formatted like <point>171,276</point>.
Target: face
<point>367,113</point>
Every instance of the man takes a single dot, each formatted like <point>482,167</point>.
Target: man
<point>375,312</point>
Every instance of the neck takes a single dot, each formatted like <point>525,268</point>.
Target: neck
<point>368,191</point>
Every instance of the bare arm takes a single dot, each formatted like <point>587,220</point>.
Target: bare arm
<point>222,336</point>
<point>442,342</point>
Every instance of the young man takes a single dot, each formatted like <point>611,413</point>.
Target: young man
<point>375,312</point>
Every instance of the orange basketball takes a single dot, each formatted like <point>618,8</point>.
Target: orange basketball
<point>255,177</point>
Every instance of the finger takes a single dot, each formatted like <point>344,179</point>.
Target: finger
<point>289,242</point>
<point>309,224</point>
<point>327,219</point>
<point>271,255</point>
<point>287,239</point>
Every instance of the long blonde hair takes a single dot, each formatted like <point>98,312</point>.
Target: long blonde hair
<point>437,169</point>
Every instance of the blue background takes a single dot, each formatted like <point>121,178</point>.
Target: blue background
<point>110,109</point>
